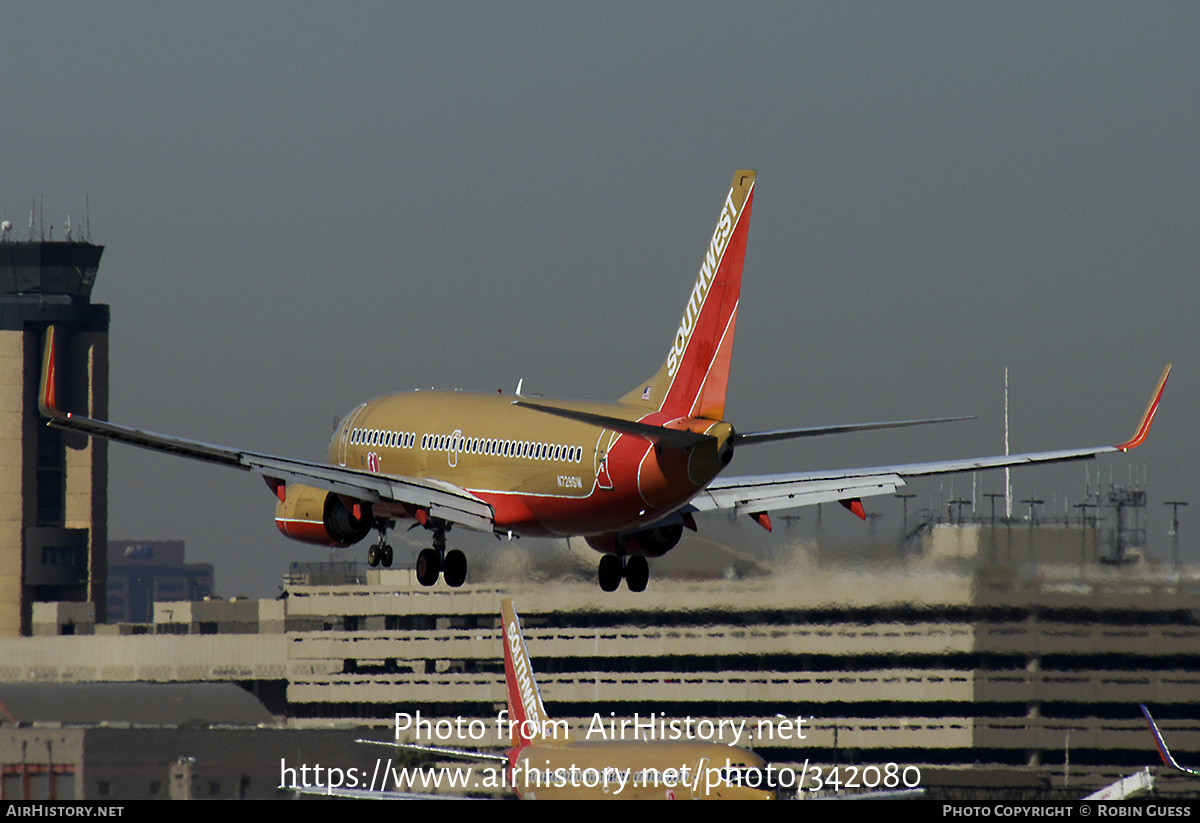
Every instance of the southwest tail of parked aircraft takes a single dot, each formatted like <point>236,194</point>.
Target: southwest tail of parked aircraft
<point>544,763</point>
<point>626,475</point>
<point>1161,745</point>
<point>641,770</point>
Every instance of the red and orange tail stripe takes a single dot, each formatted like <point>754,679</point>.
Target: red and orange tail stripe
<point>48,391</point>
<point>698,362</point>
<point>526,714</point>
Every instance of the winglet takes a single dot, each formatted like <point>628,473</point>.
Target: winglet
<point>1148,417</point>
<point>526,715</point>
<point>48,391</point>
<point>1159,743</point>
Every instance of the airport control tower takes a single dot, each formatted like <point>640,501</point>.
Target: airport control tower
<point>54,515</point>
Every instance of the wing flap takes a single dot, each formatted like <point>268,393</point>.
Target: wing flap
<point>785,492</point>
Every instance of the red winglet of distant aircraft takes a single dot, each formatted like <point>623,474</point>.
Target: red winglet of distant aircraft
<point>626,475</point>
<point>1159,743</point>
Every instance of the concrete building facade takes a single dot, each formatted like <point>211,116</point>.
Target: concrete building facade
<point>924,662</point>
<point>53,501</point>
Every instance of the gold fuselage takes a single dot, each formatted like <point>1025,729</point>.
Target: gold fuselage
<point>542,474</point>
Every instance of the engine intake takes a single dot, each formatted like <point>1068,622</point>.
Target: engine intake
<point>313,515</point>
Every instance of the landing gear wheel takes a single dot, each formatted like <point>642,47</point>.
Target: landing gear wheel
<point>637,573</point>
<point>385,556</point>
<point>610,572</point>
<point>427,567</point>
<point>373,556</point>
<point>454,568</point>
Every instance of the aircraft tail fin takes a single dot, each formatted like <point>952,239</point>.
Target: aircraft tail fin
<point>526,714</point>
<point>693,380</point>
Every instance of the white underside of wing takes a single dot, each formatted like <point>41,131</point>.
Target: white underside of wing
<point>782,491</point>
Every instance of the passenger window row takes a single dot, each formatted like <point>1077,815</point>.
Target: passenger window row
<point>384,439</point>
<point>490,447</point>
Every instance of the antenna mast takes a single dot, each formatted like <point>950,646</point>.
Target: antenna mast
<point>1007,475</point>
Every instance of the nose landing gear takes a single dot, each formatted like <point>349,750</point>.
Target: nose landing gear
<point>381,552</point>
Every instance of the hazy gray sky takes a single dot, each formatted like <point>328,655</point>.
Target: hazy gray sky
<point>308,204</point>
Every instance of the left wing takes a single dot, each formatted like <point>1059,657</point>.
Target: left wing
<point>755,495</point>
<point>442,500</point>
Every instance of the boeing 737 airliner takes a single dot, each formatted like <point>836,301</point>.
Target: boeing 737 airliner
<point>626,475</point>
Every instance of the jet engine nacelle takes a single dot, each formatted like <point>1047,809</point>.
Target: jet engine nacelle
<point>652,542</point>
<point>316,516</point>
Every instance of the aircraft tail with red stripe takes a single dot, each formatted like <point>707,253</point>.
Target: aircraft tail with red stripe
<point>526,714</point>
<point>693,380</point>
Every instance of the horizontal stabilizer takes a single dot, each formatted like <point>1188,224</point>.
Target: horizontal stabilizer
<point>816,431</point>
<point>659,434</point>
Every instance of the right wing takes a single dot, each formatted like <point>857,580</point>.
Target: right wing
<point>757,494</point>
<point>444,501</point>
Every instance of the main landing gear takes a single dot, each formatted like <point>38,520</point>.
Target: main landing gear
<point>632,567</point>
<point>451,565</point>
<point>431,563</point>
